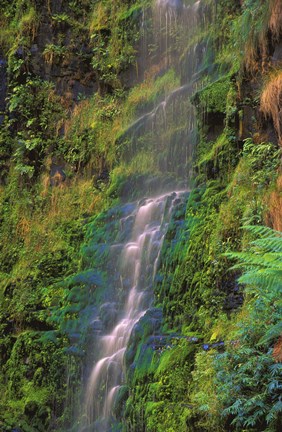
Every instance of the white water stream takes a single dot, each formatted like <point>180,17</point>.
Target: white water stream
<point>138,265</point>
<point>138,260</point>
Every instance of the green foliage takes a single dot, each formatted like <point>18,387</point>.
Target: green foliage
<point>19,21</point>
<point>245,380</point>
<point>34,383</point>
<point>239,33</point>
<point>218,159</point>
<point>46,284</point>
<point>264,161</point>
<point>54,53</point>
<point>263,270</point>
<point>113,33</point>
<point>35,111</point>
<point>213,97</point>
<point>164,401</point>
<point>143,97</point>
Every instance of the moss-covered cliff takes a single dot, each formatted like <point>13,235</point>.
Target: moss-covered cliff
<point>92,116</point>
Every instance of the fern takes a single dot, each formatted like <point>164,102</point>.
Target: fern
<point>261,231</point>
<point>249,381</point>
<point>273,333</point>
<point>263,262</point>
<point>273,243</point>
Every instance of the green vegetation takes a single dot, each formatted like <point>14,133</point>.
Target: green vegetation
<point>246,378</point>
<point>78,137</point>
<point>45,203</point>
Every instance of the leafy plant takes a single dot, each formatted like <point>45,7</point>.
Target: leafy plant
<point>263,159</point>
<point>53,53</point>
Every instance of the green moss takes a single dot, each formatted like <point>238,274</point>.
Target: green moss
<point>213,97</point>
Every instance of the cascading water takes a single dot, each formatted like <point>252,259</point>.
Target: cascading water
<point>137,267</point>
<point>167,130</point>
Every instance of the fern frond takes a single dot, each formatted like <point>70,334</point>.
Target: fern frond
<point>255,259</point>
<point>268,279</point>
<point>273,333</point>
<point>263,263</point>
<point>261,231</point>
<point>270,244</point>
<point>276,369</point>
<point>277,408</point>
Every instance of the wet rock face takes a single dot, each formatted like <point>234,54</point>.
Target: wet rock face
<point>176,5</point>
<point>125,304</point>
<point>149,328</point>
<point>58,55</point>
<point>57,175</point>
<point>277,55</point>
<point>108,314</point>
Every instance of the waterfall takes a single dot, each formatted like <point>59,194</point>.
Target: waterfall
<point>168,129</point>
<point>136,251</point>
<point>137,265</point>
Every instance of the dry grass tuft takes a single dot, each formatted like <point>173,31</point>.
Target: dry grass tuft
<point>45,185</point>
<point>274,216</point>
<point>23,227</point>
<point>271,102</point>
<point>99,19</point>
<point>277,351</point>
<point>79,114</point>
<point>257,45</point>
<point>275,21</point>
<point>153,71</point>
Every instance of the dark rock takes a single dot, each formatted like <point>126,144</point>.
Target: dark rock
<point>207,347</point>
<point>234,298</point>
<point>34,49</point>
<point>248,122</point>
<point>20,52</point>
<point>108,314</point>
<point>102,178</point>
<point>88,277</point>
<point>31,409</point>
<point>75,351</point>
<point>120,401</point>
<point>57,175</point>
<point>126,226</point>
<point>74,337</point>
<point>96,326</point>
<point>149,324</point>
<point>277,55</point>
<point>147,330</point>
<point>215,122</point>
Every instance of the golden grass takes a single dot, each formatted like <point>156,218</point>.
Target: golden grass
<point>43,230</point>
<point>271,102</point>
<point>11,32</point>
<point>78,112</point>
<point>252,59</point>
<point>152,72</point>
<point>99,18</point>
<point>275,21</point>
<point>277,351</point>
<point>23,227</point>
<point>257,49</point>
<point>69,200</point>
<point>274,215</point>
<point>29,23</point>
